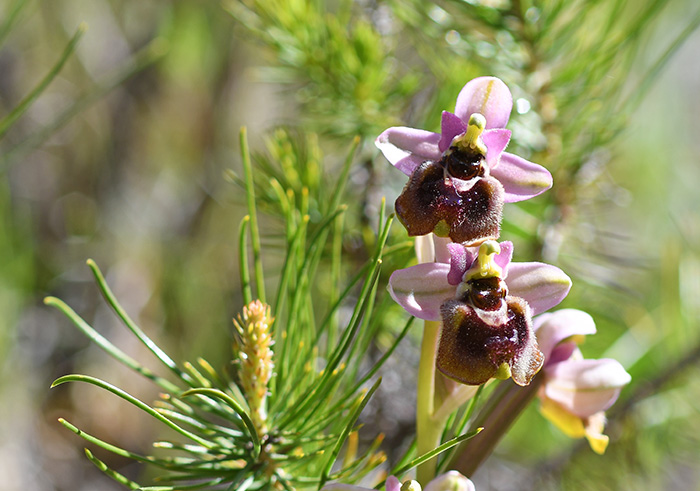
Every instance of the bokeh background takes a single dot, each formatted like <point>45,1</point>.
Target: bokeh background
<point>130,154</point>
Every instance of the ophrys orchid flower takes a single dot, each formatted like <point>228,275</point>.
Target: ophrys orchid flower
<point>486,303</point>
<point>576,391</point>
<point>460,178</point>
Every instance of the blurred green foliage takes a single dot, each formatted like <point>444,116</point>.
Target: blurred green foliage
<point>120,156</point>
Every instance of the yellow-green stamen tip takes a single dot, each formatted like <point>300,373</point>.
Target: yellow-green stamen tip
<point>411,486</point>
<point>472,138</point>
<point>503,372</point>
<point>477,120</point>
<point>442,229</point>
<point>577,338</point>
<point>485,265</point>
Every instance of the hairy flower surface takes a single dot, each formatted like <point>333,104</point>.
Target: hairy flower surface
<point>486,303</point>
<point>460,178</point>
<point>449,481</point>
<point>576,391</point>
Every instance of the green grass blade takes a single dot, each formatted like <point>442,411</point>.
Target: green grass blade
<point>321,389</point>
<point>470,410</point>
<point>114,449</point>
<point>131,325</point>
<point>328,384</point>
<point>435,452</point>
<point>236,407</point>
<point>364,335</point>
<point>184,418</point>
<point>403,461</point>
<point>312,258</point>
<point>107,346</point>
<point>285,484</point>
<point>366,295</point>
<point>367,288</point>
<point>186,487</point>
<point>132,400</point>
<point>110,472</point>
<point>144,58</point>
<point>459,427</point>
<point>25,103</point>
<point>199,379</point>
<point>342,180</point>
<point>382,360</point>
<point>334,308</point>
<point>335,270</point>
<point>300,292</point>
<point>346,431</point>
<point>289,262</point>
<point>11,17</point>
<point>254,230</point>
<point>657,69</point>
<point>214,377</point>
<point>282,331</point>
<point>243,261</point>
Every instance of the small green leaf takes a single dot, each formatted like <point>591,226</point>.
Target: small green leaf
<point>110,472</point>
<point>437,451</point>
<point>243,260</point>
<point>131,325</point>
<point>22,107</point>
<point>254,230</point>
<point>132,400</point>
<point>346,431</point>
<point>107,346</point>
<point>236,407</point>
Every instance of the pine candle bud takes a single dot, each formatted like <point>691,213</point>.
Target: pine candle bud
<point>254,353</point>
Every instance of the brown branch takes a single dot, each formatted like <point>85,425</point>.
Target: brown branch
<point>499,413</point>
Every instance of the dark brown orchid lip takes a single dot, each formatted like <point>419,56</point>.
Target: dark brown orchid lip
<point>436,199</point>
<point>472,351</point>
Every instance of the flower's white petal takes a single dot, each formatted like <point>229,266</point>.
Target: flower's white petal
<point>406,148</point>
<point>442,253</point>
<point>450,481</point>
<point>521,178</point>
<point>585,387</point>
<point>496,141</point>
<point>553,328</point>
<point>450,126</point>
<point>422,289</point>
<point>541,285</point>
<point>336,486</point>
<point>503,258</point>
<point>392,484</point>
<point>425,248</point>
<point>461,259</point>
<point>488,96</point>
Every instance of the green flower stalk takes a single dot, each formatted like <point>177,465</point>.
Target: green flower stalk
<point>254,353</point>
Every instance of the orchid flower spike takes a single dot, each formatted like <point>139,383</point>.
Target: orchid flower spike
<point>460,178</point>
<point>450,481</point>
<point>576,392</point>
<point>486,303</point>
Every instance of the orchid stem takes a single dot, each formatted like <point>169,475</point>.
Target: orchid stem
<point>427,430</point>
<point>505,404</point>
